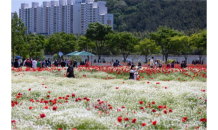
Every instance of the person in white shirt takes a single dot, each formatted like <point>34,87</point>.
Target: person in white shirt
<point>34,63</point>
<point>152,62</point>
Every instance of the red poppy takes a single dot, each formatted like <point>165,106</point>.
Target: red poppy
<point>42,84</point>
<point>143,124</point>
<point>55,108</point>
<point>126,119</point>
<point>30,107</point>
<point>165,87</point>
<point>60,129</point>
<point>153,110</point>
<point>117,87</point>
<point>165,111</point>
<point>46,107</point>
<point>160,107</point>
<point>74,129</point>
<point>184,119</point>
<point>96,106</point>
<point>141,108</point>
<point>133,120</point>
<point>87,99</point>
<point>119,119</point>
<point>158,83</point>
<point>29,89</point>
<point>123,82</point>
<point>42,115</point>
<point>123,107</point>
<point>164,106</point>
<point>154,122</point>
<point>153,102</point>
<point>200,97</point>
<point>110,107</point>
<point>13,121</point>
<point>98,100</point>
<point>73,95</point>
<point>140,102</point>
<point>202,119</point>
<point>171,110</point>
<point>148,82</point>
<point>49,91</point>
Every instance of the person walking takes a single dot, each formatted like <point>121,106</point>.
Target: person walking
<point>152,62</point>
<point>16,63</point>
<point>49,62</point>
<point>27,63</point>
<point>160,64</point>
<point>65,62</point>
<point>38,63</point>
<point>70,71</point>
<point>139,64</point>
<point>56,63</point>
<point>182,64</point>
<point>34,63</point>
<point>172,64</point>
<point>62,63</point>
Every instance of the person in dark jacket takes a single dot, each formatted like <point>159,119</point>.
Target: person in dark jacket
<point>70,71</point>
<point>28,63</point>
<point>56,63</point>
<point>139,64</point>
<point>182,64</point>
<point>172,64</point>
<point>63,63</point>
<point>16,63</point>
<point>185,65</point>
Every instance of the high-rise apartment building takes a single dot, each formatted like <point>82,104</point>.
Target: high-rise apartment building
<point>12,15</point>
<point>70,16</point>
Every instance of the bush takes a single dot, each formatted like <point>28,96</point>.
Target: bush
<point>77,58</point>
<point>56,57</point>
<point>171,60</point>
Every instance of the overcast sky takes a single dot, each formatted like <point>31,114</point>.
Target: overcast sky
<point>16,4</point>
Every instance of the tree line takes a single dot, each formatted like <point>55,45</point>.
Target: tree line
<point>102,40</point>
<point>140,15</point>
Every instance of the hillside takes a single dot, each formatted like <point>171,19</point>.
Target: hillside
<point>148,15</point>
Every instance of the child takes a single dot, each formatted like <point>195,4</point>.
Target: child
<point>133,72</point>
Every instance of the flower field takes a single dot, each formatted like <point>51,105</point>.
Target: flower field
<point>104,98</point>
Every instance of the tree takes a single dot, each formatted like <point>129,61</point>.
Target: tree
<point>125,42</point>
<point>199,41</point>
<point>17,34</point>
<point>148,47</point>
<point>85,44</point>
<point>97,32</point>
<point>184,45</point>
<point>162,38</point>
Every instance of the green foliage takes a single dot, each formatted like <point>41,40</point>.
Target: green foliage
<point>148,47</point>
<point>57,57</point>
<point>17,35</point>
<point>98,32</point>
<point>125,42</point>
<point>85,44</point>
<point>141,15</point>
<point>77,58</point>
<point>163,37</point>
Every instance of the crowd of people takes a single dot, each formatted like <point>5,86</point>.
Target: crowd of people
<point>31,63</point>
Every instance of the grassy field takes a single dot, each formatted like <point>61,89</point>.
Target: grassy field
<point>91,102</point>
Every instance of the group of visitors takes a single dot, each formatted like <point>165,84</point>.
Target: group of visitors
<point>64,63</point>
<point>31,63</point>
<point>155,64</point>
<point>194,62</point>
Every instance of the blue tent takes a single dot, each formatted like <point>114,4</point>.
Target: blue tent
<point>18,57</point>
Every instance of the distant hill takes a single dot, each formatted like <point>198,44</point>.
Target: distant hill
<point>148,15</point>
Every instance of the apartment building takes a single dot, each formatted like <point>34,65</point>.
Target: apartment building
<point>70,16</point>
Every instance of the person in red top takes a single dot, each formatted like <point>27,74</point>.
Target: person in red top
<point>28,63</point>
<point>87,63</point>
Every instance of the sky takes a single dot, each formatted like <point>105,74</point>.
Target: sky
<point>16,4</point>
